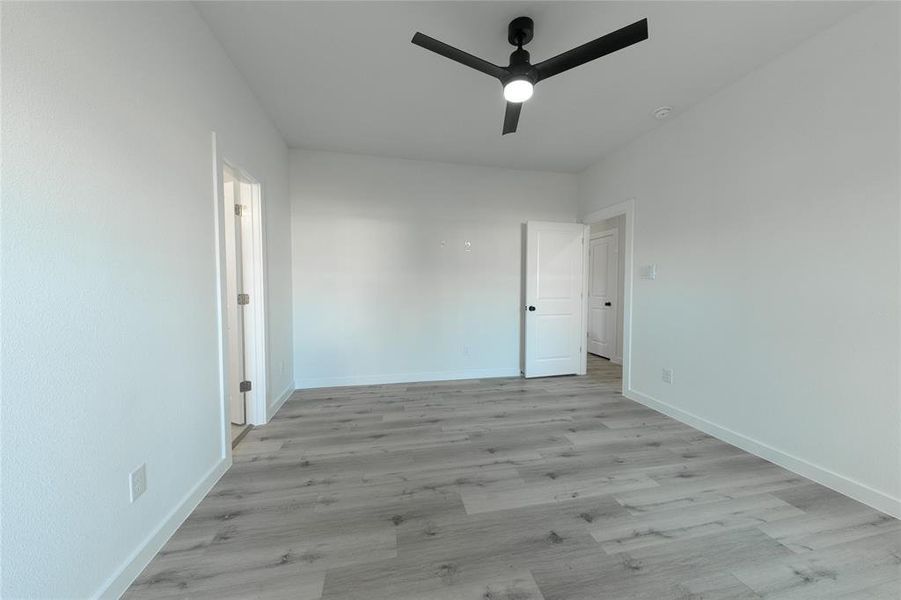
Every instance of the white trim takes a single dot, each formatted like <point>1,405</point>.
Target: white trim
<point>283,397</point>
<point>899,361</point>
<point>118,583</point>
<point>600,234</point>
<point>221,312</point>
<point>841,484</point>
<point>627,209</point>
<point>320,382</point>
<point>583,343</point>
<point>614,210</point>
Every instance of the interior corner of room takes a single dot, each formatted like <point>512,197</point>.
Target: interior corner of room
<point>282,316</point>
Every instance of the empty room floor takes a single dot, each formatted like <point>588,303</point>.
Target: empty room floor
<point>512,489</point>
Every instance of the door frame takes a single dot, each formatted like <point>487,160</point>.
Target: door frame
<point>595,236</point>
<point>255,317</point>
<point>255,410</point>
<point>626,208</point>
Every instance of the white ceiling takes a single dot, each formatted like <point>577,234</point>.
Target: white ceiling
<point>344,76</point>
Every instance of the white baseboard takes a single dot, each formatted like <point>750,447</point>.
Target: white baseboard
<point>841,484</point>
<point>116,585</point>
<point>405,377</point>
<point>273,408</point>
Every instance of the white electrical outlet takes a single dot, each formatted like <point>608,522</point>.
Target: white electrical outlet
<point>467,246</point>
<point>138,482</point>
<point>649,272</point>
<point>667,376</point>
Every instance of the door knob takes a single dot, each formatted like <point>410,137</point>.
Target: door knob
<point>531,309</point>
<point>608,304</point>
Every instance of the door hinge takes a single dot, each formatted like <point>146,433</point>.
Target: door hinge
<point>239,210</point>
<point>244,386</point>
<point>243,299</point>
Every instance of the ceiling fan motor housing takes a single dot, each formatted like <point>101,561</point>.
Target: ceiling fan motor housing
<point>520,68</point>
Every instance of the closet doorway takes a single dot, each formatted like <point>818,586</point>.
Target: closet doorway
<point>245,314</point>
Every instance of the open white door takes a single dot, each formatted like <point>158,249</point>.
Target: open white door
<point>235,321</point>
<point>245,316</point>
<point>554,327</point>
<point>603,276</point>
<point>236,406</point>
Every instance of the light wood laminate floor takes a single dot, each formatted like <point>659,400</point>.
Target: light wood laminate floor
<point>508,489</point>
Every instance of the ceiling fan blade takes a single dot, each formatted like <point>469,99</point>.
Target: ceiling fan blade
<point>511,117</point>
<point>474,62</point>
<point>617,40</point>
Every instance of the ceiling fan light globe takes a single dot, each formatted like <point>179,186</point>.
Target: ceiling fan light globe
<point>518,90</point>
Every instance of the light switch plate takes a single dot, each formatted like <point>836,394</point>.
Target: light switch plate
<point>138,482</point>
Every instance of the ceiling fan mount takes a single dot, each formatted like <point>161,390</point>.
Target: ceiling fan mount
<point>520,76</point>
<point>520,31</point>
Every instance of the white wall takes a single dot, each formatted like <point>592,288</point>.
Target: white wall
<point>772,212</point>
<point>109,326</point>
<point>377,298</point>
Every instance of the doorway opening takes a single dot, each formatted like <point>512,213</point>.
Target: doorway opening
<point>608,284</point>
<point>604,289</point>
<point>245,302</point>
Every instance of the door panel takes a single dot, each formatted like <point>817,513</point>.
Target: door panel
<point>603,277</point>
<point>239,271</point>
<point>234,320</point>
<point>554,280</point>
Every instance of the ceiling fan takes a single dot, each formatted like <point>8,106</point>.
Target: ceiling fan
<point>520,76</point>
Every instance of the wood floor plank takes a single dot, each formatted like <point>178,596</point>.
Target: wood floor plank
<point>667,527</point>
<point>514,489</point>
<point>507,495</point>
<point>808,532</point>
<point>834,571</point>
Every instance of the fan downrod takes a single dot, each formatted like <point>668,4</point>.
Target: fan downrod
<point>520,31</point>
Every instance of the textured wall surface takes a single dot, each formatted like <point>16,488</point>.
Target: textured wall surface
<point>772,213</point>
<point>109,326</point>
<point>384,286</point>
